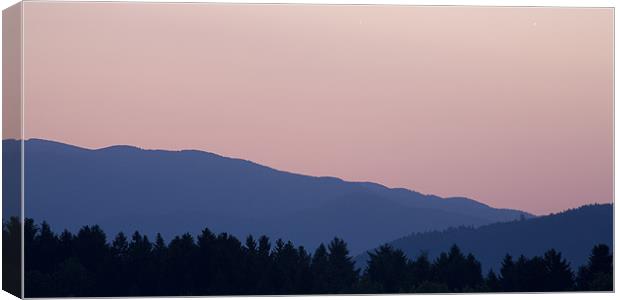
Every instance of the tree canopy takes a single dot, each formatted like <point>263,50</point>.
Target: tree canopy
<point>86,264</point>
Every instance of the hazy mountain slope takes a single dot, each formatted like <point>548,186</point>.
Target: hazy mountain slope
<point>127,188</point>
<point>11,178</point>
<point>572,232</point>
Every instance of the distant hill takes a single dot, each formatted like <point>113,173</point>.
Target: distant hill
<point>573,232</point>
<point>127,188</point>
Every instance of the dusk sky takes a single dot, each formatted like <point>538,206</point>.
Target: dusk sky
<point>508,106</point>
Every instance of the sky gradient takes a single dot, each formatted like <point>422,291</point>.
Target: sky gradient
<point>509,106</point>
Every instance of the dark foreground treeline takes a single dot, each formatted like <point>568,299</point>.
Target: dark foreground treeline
<point>85,264</point>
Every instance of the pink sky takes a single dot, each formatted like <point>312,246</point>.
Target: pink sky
<point>509,106</point>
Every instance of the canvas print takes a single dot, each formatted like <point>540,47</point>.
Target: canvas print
<point>194,149</point>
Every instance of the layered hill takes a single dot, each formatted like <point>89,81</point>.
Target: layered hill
<point>124,188</point>
<point>573,232</point>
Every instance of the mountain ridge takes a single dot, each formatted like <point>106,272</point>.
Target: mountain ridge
<point>371,184</point>
<point>199,188</point>
<point>573,232</point>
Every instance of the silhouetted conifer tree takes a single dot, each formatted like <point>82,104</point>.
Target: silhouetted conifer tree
<point>303,277</point>
<point>30,230</point>
<point>320,270</point>
<point>46,254</point>
<point>92,252</point>
<point>531,273</point>
<point>387,270</point>
<point>342,275</point>
<point>139,267</point>
<point>264,264</point>
<point>11,256</point>
<point>508,275</point>
<point>492,282</point>
<point>118,269</point>
<point>158,265</point>
<point>84,265</point>
<point>285,263</point>
<point>205,262</point>
<point>560,277</point>
<point>250,265</point>
<point>421,270</point>
<point>457,271</point>
<point>597,274</point>
<point>180,270</point>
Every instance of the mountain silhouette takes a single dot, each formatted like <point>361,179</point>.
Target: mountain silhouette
<point>572,232</point>
<point>125,188</point>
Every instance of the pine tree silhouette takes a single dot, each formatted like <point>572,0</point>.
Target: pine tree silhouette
<point>342,275</point>
<point>320,270</point>
<point>508,275</point>
<point>457,271</point>
<point>560,277</point>
<point>492,282</point>
<point>388,270</point>
<point>421,270</point>
<point>597,274</point>
<point>11,256</point>
<point>85,265</point>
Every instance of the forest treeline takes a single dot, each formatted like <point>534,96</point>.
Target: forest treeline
<point>86,264</point>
